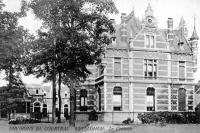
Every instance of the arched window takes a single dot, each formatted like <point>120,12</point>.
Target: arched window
<point>37,107</point>
<point>181,99</point>
<point>83,100</point>
<point>44,110</point>
<point>150,99</point>
<point>117,99</point>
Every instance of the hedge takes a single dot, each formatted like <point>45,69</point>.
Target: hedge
<point>169,117</point>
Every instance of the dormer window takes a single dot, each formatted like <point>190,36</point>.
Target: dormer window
<point>150,41</point>
<point>180,44</point>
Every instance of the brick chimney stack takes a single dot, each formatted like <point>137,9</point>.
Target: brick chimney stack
<point>170,29</point>
<point>123,28</point>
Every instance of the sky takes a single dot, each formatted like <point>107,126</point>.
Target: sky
<point>163,9</point>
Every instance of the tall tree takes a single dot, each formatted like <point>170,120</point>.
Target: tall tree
<point>78,31</point>
<point>13,40</point>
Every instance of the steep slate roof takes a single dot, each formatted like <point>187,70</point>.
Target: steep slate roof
<point>134,26</point>
<point>180,39</point>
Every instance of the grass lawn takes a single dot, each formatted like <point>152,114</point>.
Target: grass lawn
<point>170,128</point>
<point>41,127</point>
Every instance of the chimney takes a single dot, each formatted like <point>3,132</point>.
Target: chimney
<point>123,30</point>
<point>170,29</point>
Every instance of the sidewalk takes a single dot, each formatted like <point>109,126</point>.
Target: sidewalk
<point>102,127</point>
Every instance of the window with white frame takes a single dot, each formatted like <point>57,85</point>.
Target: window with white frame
<point>182,70</point>
<point>37,106</point>
<point>117,66</point>
<point>150,99</point>
<point>150,41</point>
<point>117,99</point>
<point>150,68</point>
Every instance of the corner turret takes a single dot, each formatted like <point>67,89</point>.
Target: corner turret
<point>194,45</point>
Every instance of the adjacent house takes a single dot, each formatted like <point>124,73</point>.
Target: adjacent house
<point>41,99</point>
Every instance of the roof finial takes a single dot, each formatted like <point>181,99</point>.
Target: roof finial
<point>149,11</point>
<point>194,34</point>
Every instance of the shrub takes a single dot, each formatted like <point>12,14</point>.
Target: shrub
<point>169,117</point>
<point>128,121</point>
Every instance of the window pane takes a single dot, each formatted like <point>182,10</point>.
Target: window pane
<point>117,66</point>
<point>155,70</point>
<point>150,74</point>
<point>117,108</point>
<point>154,67</point>
<point>152,41</point>
<point>147,41</point>
<point>190,107</point>
<point>117,100</point>
<point>85,101</point>
<point>155,74</point>
<point>117,90</point>
<point>150,68</point>
<point>181,69</point>
<point>181,72</point>
<point>182,99</point>
<point>150,61</point>
<point>82,101</point>
<point>145,69</point>
<point>150,101</point>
